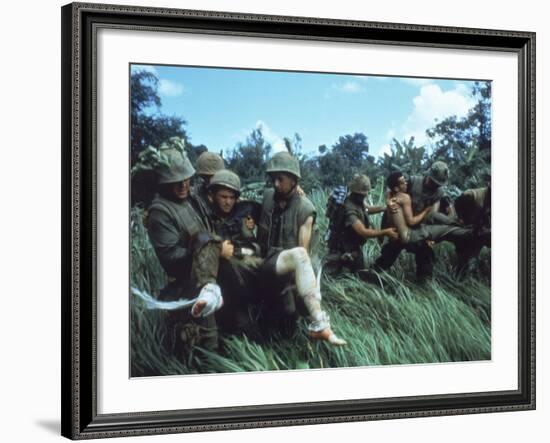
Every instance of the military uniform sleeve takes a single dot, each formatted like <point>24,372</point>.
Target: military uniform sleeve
<point>166,240</point>
<point>306,210</point>
<point>351,214</point>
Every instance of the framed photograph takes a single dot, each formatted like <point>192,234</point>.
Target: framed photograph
<point>273,221</point>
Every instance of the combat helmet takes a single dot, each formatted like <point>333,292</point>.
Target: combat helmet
<point>360,184</point>
<point>177,169</point>
<point>439,172</point>
<point>208,163</point>
<point>227,179</point>
<point>284,162</point>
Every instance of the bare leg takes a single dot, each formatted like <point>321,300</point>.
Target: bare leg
<point>397,219</point>
<point>297,260</point>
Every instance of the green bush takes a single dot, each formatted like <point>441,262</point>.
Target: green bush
<point>446,320</point>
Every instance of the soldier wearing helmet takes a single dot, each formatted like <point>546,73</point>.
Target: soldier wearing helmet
<point>208,163</point>
<point>355,228</point>
<point>234,220</point>
<point>285,232</point>
<point>188,251</point>
<point>425,224</point>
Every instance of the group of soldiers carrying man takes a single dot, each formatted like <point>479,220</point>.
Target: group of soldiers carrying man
<point>227,254</point>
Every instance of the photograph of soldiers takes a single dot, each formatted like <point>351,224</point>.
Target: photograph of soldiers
<point>268,237</point>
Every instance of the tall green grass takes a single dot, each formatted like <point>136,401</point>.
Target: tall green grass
<point>396,322</point>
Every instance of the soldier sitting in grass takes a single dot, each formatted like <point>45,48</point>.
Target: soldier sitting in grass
<point>234,220</point>
<point>353,228</point>
<point>285,232</point>
<point>189,252</point>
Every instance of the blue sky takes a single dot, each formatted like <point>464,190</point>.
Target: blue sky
<point>223,106</point>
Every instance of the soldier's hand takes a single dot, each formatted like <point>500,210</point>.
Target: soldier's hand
<point>392,204</point>
<point>300,191</point>
<point>227,249</point>
<point>392,234</point>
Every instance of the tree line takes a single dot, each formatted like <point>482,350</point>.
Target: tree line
<point>463,143</point>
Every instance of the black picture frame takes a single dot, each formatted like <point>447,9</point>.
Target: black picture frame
<point>79,211</point>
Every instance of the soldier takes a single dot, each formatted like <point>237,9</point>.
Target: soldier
<point>285,233</point>
<point>425,191</point>
<point>473,209</point>
<point>234,220</point>
<point>355,228</point>
<point>189,254</point>
<point>208,163</point>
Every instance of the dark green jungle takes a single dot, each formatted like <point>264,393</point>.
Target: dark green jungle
<point>447,319</point>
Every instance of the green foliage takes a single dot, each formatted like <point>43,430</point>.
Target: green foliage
<point>397,323</point>
<point>149,127</point>
<point>248,160</point>
<point>347,157</point>
<point>465,143</point>
<point>405,157</point>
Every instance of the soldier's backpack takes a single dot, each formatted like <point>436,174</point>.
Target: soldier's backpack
<point>336,216</point>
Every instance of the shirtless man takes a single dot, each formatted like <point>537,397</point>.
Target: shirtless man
<point>401,216</point>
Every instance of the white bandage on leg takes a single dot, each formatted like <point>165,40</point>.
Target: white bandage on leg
<point>297,260</point>
<point>320,322</point>
<point>209,301</point>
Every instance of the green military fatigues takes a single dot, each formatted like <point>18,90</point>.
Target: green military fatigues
<point>436,227</point>
<point>238,276</point>
<point>349,251</point>
<point>278,229</point>
<point>475,212</point>
<point>200,195</point>
<point>189,255</point>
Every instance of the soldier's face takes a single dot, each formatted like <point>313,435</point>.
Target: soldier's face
<point>180,190</point>
<point>225,199</point>
<point>401,184</point>
<point>284,184</point>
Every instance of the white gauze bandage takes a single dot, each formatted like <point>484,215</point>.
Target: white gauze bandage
<point>211,295</point>
<point>297,260</point>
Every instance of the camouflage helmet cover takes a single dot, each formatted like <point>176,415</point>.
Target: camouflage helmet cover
<point>178,169</point>
<point>439,172</point>
<point>284,162</point>
<point>226,179</point>
<point>209,163</point>
<point>360,184</point>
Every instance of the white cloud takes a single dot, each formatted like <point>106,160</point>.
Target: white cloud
<point>170,88</point>
<point>433,103</point>
<point>384,149</point>
<point>276,141</point>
